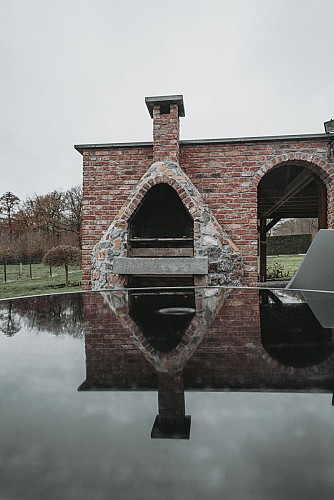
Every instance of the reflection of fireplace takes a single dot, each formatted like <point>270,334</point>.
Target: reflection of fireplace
<point>220,349</point>
<point>162,316</point>
<point>161,226</point>
<point>172,421</point>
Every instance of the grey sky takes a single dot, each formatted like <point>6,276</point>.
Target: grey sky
<point>77,71</point>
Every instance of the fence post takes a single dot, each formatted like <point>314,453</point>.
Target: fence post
<point>30,268</point>
<point>4,269</point>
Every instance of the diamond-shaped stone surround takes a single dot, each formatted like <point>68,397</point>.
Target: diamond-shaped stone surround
<point>210,239</point>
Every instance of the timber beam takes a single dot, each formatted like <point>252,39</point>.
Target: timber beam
<point>295,186</point>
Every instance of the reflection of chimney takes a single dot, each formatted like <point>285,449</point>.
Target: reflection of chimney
<point>171,423</point>
<point>165,111</point>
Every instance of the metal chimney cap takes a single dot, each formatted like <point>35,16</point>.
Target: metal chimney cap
<point>165,100</point>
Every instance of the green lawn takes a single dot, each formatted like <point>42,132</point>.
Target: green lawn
<point>282,267</point>
<point>19,282</point>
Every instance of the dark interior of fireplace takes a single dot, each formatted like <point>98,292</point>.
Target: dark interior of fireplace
<point>161,226</point>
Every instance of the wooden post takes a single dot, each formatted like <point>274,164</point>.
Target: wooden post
<point>264,297</point>
<point>4,269</point>
<point>322,205</point>
<point>30,268</point>
<point>263,250</point>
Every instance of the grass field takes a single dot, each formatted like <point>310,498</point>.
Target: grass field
<point>282,267</point>
<point>20,283</point>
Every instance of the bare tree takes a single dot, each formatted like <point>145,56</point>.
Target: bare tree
<point>9,203</point>
<point>72,212</point>
<point>40,222</point>
<point>304,225</point>
<point>9,321</point>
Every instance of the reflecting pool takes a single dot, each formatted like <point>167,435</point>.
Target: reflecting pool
<point>184,393</point>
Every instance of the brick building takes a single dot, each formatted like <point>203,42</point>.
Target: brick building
<point>195,209</point>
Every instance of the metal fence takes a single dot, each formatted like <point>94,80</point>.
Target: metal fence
<point>32,269</point>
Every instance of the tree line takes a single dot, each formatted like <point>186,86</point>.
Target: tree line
<point>31,227</point>
<point>305,225</point>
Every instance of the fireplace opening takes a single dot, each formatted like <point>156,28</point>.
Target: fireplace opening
<point>161,226</point>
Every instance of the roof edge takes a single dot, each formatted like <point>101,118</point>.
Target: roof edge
<point>81,147</point>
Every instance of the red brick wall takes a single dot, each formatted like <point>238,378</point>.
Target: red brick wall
<point>226,174</point>
<point>108,177</point>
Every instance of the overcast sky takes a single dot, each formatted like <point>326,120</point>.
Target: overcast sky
<point>77,71</point>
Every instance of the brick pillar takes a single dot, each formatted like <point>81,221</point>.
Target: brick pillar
<point>166,111</point>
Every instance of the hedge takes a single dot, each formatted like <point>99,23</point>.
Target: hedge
<point>288,245</point>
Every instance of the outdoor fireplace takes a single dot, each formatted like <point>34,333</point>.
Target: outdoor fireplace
<point>225,174</point>
<point>165,234</point>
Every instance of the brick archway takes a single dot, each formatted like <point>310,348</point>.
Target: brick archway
<point>308,194</point>
<point>320,167</point>
<point>323,169</point>
<point>285,369</point>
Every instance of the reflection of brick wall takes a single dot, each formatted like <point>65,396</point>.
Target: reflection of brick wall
<point>171,395</point>
<point>112,359</point>
<point>229,352</point>
<point>231,356</point>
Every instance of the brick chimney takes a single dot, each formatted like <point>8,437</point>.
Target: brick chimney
<point>166,111</point>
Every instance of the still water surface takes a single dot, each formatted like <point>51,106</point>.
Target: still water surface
<point>94,404</point>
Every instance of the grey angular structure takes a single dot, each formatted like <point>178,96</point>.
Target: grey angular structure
<point>316,271</point>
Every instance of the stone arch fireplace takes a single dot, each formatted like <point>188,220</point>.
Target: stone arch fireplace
<point>165,230</point>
